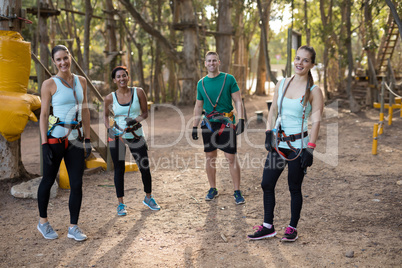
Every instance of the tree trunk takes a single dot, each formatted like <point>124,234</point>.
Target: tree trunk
<point>224,35</point>
<point>5,6</point>
<point>171,66</point>
<point>327,25</point>
<point>11,165</point>
<point>354,106</point>
<point>189,69</point>
<point>111,43</point>
<point>263,59</point>
<point>187,59</point>
<point>306,28</point>
<point>395,15</point>
<point>264,13</point>
<point>87,30</point>
<point>240,64</point>
<point>369,44</point>
<point>10,152</point>
<point>261,70</point>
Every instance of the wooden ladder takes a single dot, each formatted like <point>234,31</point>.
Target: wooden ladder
<point>387,49</point>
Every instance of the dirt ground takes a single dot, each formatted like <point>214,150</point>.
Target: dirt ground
<point>352,202</point>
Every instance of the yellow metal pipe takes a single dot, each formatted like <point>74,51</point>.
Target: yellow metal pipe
<point>381,123</point>
<point>390,111</point>
<point>375,140</point>
<point>386,105</point>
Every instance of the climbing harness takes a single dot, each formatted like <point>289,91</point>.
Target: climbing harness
<point>55,121</point>
<point>129,129</point>
<point>225,119</point>
<point>280,135</point>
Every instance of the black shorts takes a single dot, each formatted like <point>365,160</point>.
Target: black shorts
<point>226,141</point>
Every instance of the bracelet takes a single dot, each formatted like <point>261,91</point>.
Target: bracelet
<point>311,145</point>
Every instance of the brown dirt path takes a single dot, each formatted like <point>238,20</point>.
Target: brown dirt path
<point>352,202</point>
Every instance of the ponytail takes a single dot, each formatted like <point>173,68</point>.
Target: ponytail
<point>310,83</point>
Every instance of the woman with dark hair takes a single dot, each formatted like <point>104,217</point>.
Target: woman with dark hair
<point>129,106</point>
<point>287,141</point>
<point>65,134</point>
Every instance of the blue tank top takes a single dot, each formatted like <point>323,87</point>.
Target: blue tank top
<point>121,112</point>
<point>291,121</point>
<point>65,107</point>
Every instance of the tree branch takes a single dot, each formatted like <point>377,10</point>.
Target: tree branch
<point>166,45</point>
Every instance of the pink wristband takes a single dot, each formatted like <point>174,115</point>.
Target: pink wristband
<point>311,145</point>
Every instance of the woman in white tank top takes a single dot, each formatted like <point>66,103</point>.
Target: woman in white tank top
<point>129,106</point>
<point>295,100</point>
<point>67,94</point>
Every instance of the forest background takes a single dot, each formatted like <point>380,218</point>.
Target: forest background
<point>164,42</point>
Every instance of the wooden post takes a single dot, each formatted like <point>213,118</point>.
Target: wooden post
<point>11,9</point>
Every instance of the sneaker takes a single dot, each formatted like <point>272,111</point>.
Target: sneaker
<point>290,235</point>
<point>262,232</point>
<point>121,210</point>
<point>212,193</point>
<point>47,231</point>
<point>151,203</point>
<point>239,199</point>
<point>76,233</point>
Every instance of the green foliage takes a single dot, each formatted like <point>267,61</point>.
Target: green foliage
<point>207,15</point>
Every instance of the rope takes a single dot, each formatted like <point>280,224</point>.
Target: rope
<point>390,90</point>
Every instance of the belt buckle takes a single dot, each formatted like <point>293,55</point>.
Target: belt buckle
<point>292,138</point>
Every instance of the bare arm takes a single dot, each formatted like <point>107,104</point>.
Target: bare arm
<point>236,96</point>
<point>197,112</point>
<point>143,104</point>
<point>108,100</point>
<point>47,90</point>
<point>317,107</point>
<point>85,111</point>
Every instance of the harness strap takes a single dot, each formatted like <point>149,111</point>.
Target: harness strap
<point>293,137</point>
<point>58,140</point>
<point>220,93</point>
<point>281,132</point>
<point>221,129</point>
<point>127,129</point>
<point>74,124</point>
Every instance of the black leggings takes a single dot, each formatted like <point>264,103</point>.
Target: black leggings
<point>274,165</point>
<point>74,160</point>
<point>139,150</point>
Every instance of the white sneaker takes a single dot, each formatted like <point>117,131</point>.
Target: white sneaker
<point>76,233</point>
<point>47,231</point>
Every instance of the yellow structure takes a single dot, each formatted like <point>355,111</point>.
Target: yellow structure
<point>375,139</point>
<point>15,66</point>
<point>64,182</point>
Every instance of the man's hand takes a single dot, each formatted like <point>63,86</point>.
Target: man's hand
<point>194,134</point>
<point>240,127</point>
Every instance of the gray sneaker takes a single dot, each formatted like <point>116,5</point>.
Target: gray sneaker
<point>151,203</point>
<point>47,231</point>
<point>76,233</point>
